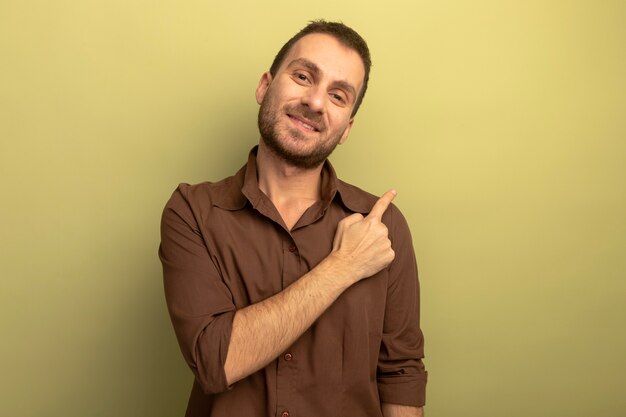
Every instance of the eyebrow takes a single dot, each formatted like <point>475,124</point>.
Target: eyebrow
<point>311,66</point>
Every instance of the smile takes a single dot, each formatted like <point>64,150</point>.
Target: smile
<point>303,124</point>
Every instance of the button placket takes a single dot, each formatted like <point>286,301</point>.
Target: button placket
<point>291,262</point>
<point>287,374</point>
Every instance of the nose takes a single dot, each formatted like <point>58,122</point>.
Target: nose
<point>315,98</point>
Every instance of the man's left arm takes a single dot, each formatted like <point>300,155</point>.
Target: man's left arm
<point>401,375</point>
<point>396,410</point>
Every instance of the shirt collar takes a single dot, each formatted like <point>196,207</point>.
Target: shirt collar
<point>234,192</point>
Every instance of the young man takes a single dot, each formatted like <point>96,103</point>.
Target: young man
<point>292,293</point>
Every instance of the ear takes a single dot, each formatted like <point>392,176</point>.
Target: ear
<point>344,135</point>
<point>261,89</point>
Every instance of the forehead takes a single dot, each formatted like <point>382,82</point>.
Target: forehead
<point>335,60</point>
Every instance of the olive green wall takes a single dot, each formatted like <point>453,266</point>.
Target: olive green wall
<point>501,123</point>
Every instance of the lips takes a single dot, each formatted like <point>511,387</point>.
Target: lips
<point>304,123</point>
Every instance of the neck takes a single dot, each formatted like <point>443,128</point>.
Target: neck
<point>284,183</point>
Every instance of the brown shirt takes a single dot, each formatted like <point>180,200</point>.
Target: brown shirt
<point>224,246</point>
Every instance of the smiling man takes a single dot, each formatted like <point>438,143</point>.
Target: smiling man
<point>293,293</point>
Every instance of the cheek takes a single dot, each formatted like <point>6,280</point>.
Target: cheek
<point>287,89</point>
<point>339,121</point>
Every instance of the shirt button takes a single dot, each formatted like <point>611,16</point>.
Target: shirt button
<point>285,414</point>
<point>288,357</point>
<point>293,248</point>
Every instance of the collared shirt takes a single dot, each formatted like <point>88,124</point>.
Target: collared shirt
<point>224,246</point>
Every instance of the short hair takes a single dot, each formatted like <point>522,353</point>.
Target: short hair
<point>345,35</point>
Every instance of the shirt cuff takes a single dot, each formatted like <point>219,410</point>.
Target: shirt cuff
<point>403,389</point>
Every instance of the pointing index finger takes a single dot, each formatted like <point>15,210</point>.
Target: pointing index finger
<point>381,205</point>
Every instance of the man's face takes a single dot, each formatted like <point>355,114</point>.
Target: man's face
<point>305,109</point>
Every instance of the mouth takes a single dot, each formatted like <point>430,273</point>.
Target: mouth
<point>303,123</point>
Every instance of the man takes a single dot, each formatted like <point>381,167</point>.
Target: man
<point>292,293</point>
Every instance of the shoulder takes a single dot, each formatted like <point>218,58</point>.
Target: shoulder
<point>225,193</point>
<point>361,201</point>
<point>355,198</point>
<point>191,195</point>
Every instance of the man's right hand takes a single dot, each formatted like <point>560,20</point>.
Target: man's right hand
<point>362,243</point>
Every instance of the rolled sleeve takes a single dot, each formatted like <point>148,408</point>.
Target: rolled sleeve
<point>199,303</point>
<point>401,375</point>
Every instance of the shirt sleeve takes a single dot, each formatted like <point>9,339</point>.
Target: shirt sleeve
<point>401,375</point>
<point>199,303</point>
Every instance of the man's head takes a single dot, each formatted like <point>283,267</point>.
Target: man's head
<point>345,35</point>
<point>309,97</point>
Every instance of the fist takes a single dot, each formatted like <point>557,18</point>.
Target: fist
<point>362,243</point>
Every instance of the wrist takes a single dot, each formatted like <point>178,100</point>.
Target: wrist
<point>340,269</point>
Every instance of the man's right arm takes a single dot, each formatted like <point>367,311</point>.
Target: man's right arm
<point>261,331</point>
<point>221,344</point>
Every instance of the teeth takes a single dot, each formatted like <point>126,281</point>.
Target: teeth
<point>307,126</point>
<point>303,124</point>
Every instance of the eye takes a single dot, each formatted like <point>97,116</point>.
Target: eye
<point>338,98</point>
<point>301,78</point>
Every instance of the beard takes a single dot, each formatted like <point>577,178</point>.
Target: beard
<point>269,128</point>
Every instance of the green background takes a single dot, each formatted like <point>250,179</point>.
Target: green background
<point>501,123</point>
